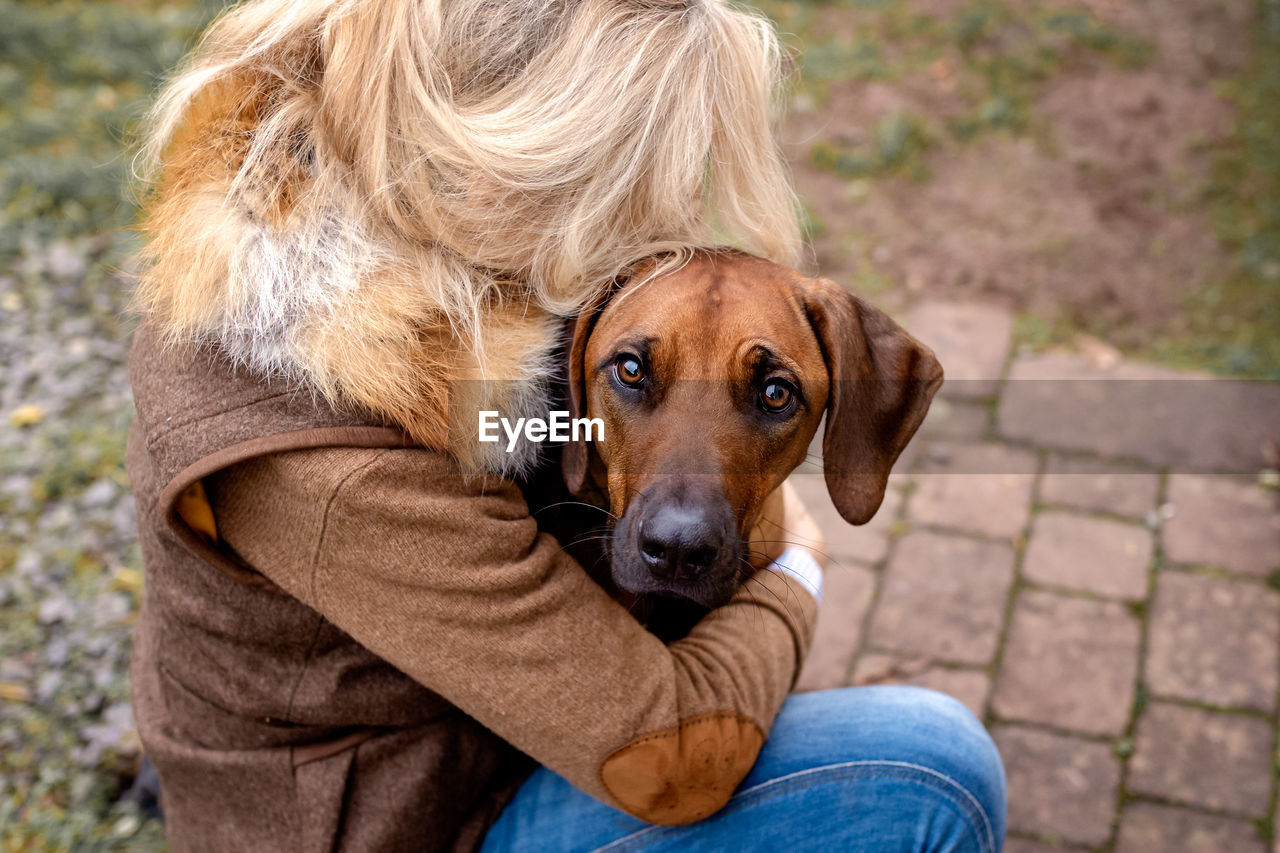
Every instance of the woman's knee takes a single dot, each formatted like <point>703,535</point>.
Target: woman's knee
<point>940,733</point>
<point>915,729</point>
<point>911,721</point>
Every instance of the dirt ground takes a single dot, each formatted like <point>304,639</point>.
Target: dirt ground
<point>1057,159</point>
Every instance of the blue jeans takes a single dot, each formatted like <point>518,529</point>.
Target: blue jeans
<point>868,769</point>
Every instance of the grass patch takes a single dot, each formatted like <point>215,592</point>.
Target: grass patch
<point>75,77</point>
<point>882,39</point>
<point>1012,53</point>
<point>999,59</point>
<point>1039,333</point>
<point>860,59</point>
<point>1233,326</point>
<point>896,146</point>
<point>1266,827</point>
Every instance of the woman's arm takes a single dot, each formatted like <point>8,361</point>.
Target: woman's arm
<point>452,583</point>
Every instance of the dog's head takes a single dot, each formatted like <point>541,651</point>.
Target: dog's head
<point>711,381</point>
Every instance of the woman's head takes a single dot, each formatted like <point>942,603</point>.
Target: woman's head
<point>552,142</point>
<point>559,140</point>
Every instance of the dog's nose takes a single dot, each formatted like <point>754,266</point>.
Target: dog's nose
<point>679,542</point>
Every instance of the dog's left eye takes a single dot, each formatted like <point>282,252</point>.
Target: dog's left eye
<point>629,370</point>
<point>776,396</point>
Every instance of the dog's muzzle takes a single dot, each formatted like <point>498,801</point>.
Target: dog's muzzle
<point>679,541</point>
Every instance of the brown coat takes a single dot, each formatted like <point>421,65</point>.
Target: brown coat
<point>345,644</point>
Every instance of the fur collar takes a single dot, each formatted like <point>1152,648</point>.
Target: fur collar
<point>284,278</point>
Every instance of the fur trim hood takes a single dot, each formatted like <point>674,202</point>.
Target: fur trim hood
<point>287,282</point>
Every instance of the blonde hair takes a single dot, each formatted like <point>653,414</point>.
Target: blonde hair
<point>463,153</point>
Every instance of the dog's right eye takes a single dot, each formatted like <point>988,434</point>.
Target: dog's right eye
<point>629,370</point>
<point>776,396</point>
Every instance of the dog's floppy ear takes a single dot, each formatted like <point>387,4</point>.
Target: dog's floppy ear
<point>576,458</point>
<point>882,381</point>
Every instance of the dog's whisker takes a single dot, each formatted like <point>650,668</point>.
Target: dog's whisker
<point>597,534</point>
<point>577,503</point>
<point>805,545</point>
<point>596,562</point>
<point>834,561</point>
<point>584,540</point>
<point>781,601</point>
<point>756,602</point>
<point>773,523</point>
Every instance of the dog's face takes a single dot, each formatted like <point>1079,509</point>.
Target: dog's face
<point>711,382</point>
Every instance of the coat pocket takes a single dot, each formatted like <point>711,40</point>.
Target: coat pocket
<point>321,773</point>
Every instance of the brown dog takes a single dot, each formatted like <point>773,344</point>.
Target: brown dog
<point>711,381</point>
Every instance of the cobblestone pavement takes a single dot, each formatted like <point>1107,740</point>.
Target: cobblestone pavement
<point>1079,549</point>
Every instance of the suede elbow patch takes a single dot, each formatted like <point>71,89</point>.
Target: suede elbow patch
<point>684,773</point>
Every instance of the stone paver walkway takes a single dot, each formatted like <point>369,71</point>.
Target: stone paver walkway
<point>1078,548</point>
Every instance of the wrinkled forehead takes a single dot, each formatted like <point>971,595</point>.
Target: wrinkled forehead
<point>710,314</point>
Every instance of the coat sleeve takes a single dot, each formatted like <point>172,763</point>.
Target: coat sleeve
<point>451,582</point>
